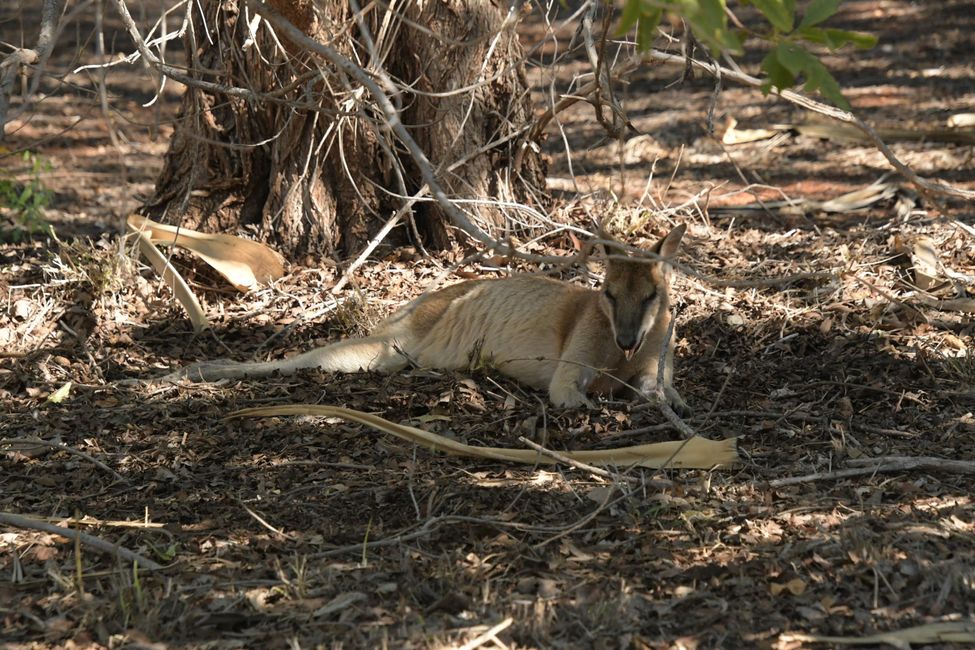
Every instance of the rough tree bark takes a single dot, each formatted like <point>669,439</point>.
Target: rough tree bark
<point>310,164</point>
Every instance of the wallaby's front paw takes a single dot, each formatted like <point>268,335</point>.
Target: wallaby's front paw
<point>569,398</point>
<point>651,392</point>
<point>677,402</point>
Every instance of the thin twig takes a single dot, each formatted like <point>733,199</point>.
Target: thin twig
<point>488,635</point>
<point>607,501</point>
<point>375,241</point>
<point>717,398</point>
<point>886,464</point>
<point>769,415</point>
<point>29,442</point>
<point>562,458</point>
<point>171,71</point>
<point>29,523</point>
<point>262,521</point>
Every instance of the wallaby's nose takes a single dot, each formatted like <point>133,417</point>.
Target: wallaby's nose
<point>625,342</point>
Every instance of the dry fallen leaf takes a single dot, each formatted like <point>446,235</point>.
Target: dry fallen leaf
<point>796,587</point>
<point>925,263</point>
<point>733,135</point>
<point>243,262</point>
<point>340,603</point>
<point>60,394</point>
<point>174,280</point>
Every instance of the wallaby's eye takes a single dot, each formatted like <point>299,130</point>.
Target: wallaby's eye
<point>648,300</point>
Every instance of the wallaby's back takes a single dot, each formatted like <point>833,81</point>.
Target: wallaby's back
<point>518,324</point>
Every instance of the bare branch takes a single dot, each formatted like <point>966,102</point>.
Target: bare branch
<point>19,59</point>
<point>171,71</point>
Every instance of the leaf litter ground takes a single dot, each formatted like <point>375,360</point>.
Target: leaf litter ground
<point>304,531</point>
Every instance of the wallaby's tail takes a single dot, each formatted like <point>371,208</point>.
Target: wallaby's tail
<point>377,353</point>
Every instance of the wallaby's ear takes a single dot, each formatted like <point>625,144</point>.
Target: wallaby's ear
<point>668,244</point>
<point>607,249</point>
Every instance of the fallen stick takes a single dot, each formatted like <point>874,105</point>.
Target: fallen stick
<point>489,635</point>
<point>20,521</point>
<point>880,465</point>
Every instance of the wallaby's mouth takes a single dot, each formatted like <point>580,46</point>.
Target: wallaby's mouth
<point>630,352</point>
<point>629,345</point>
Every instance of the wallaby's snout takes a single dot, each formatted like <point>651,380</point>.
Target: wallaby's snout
<point>628,319</point>
<point>629,334</point>
<point>628,344</point>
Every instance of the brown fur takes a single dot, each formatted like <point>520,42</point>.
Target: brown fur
<point>545,333</point>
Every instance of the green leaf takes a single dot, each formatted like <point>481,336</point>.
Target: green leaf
<point>710,24</point>
<point>736,39</point>
<point>800,62</point>
<point>819,78</point>
<point>777,75</point>
<point>646,29</point>
<point>834,39</point>
<point>815,35</point>
<point>632,10</point>
<point>781,13</point>
<point>862,40</point>
<point>793,57</point>
<point>818,11</point>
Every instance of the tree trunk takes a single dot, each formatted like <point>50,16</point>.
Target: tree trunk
<point>310,163</point>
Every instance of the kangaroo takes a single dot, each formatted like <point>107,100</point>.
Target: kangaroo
<point>542,332</point>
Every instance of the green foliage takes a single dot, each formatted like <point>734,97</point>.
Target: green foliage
<point>780,13</point>
<point>706,17</point>
<point>788,62</point>
<point>818,11</point>
<point>795,61</point>
<point>25,201</point>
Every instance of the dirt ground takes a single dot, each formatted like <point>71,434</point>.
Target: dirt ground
<point>304,532</point>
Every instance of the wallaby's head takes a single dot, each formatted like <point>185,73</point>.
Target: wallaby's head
<point>635,294</point>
